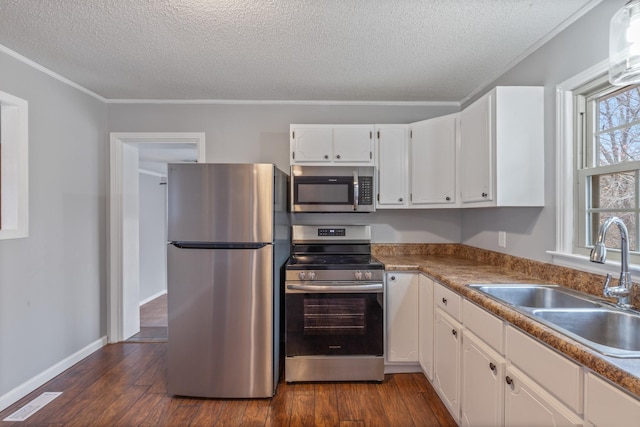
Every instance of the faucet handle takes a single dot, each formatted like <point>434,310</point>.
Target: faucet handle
<point>605,291</point>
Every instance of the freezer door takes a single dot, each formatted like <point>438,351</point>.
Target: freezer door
<point>221,202</point>
<point>221,322</point>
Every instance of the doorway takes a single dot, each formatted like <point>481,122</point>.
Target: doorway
<point>128,153</point>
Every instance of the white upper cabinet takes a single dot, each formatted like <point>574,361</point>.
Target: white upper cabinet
<point>502,148</point>
<point>353,144</point>
<point>393,156</point>
<point>348,145</point>
<point>433,161</point>
<point>417,164</point>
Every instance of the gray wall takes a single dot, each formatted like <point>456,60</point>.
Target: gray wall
<point>260,133</point>
<point>53,283</point>
<point>153,236</point>
<point>532,231</point>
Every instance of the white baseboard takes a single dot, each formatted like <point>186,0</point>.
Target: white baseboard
<point>27,387</point>
<point>152,297</point>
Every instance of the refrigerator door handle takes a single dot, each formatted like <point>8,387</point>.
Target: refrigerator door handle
<point>208,245</point>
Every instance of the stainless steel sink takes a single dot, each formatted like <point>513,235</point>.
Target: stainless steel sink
<point>609,331</point>
<point>536,296</point>
<point>595,323</point>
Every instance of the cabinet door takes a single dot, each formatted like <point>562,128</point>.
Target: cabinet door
<point>476,156</point>
<point>433,160</point>
<point>425,326</point>
<point>447,361</point>
<point>392,165</point>
<point>528,405</point>
<point>353,144</point>
<point>402,317</point>
<point>482,378</point>
<point>311,144</point>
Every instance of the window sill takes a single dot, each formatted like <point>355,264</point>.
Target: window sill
<point>582,263</point>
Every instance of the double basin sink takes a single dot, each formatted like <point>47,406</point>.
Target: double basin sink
<point>597,324</point>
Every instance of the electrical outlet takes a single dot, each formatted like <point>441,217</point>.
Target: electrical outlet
<point>502,239</point>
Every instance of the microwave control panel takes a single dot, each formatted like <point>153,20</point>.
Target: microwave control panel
<point>366,190</point>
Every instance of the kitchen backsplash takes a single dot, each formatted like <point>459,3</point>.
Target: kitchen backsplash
<point>582,281</point>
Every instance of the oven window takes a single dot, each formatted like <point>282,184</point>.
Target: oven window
<point>334,324</point>
<point>343,316</point>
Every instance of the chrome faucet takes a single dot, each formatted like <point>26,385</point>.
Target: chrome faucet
<point>599,255</point>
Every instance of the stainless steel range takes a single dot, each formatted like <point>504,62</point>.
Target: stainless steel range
<point>334,294</point>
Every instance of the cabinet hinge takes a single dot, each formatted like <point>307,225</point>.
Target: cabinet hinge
<point>293,134</point>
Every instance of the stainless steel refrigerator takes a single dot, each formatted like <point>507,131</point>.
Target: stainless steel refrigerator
<point>229,237</point>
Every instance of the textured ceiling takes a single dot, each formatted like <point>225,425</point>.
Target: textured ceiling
<point>344,50</point>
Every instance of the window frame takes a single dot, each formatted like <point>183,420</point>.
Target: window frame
<point>14,167</point>
<point>568,194</point>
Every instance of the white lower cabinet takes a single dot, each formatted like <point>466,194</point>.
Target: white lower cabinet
<point>608,406</point>
<point>446,378</point>
<point>561,377</point>
<point>489,373</point>
<point>526,404</point>
<point>425,325</point>
<point>482,391</point>
<point>402,317</point>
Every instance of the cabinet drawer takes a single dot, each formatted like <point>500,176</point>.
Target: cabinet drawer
<point>448,301</point>
<point>485,325</point>
<point>557,374</point>
<point>606,405</point>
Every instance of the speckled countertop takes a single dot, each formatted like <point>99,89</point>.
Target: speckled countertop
<point>458,265</point>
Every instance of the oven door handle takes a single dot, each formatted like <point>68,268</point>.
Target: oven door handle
<point>374,287</point>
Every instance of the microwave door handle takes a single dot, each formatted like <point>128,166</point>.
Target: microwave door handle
<point>356,192</point>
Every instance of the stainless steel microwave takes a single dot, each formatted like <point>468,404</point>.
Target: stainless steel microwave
<point>332,189</point>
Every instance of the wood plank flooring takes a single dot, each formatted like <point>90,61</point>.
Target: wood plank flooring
<point>125,385</point>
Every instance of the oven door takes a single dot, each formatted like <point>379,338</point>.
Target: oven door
<point>333,320</point>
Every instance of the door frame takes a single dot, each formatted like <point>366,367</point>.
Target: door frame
<point>123,264</point>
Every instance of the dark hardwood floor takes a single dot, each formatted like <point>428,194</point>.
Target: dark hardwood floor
<point>125,385</point>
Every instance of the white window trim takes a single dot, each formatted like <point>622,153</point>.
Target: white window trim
<point>15,167</point>
<point>565,200</point>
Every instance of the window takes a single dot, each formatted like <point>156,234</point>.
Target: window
<point>14,174</point>
<point>607,163</point>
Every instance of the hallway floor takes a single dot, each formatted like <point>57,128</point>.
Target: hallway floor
<point>153,321</point>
